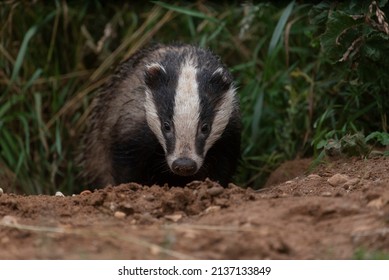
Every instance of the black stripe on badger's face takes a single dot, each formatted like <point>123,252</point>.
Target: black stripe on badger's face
<point>188,110</point>
<point>159,104</point>
<point>217,101</point>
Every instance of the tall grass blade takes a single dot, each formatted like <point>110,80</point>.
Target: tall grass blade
<point>185,11</point>
<point>258,108</point>
<point>280,27</point>
<point>33,78</point>
<point>22,52</point>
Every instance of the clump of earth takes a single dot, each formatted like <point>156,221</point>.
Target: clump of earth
<point>339,210</point>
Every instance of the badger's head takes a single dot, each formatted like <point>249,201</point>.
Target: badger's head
<point>189,102</point>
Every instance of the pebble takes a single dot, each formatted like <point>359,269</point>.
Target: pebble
<point>155,250</point>
<point>59,194</point>
<point>86,192</point>
<point>338,179</point>
<point>376,203</point>
<point>1,191</point>
<point>326,194</point>
<point>119,215</point>
<point>211,209</point>
<point>214,191</point>
<point>174,218</point>
<point>9,220</point>
<point>313,176</point>
<point>149,197</point>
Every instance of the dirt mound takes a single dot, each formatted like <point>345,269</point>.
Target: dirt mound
<point>339,210</point>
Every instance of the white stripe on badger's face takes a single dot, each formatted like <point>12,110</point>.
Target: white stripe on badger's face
<point>186,115</point>
<point>151,111</point>
<point>222,118</point>
<point>153,118</point>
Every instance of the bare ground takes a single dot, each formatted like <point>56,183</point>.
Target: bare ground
<point>342,208</point>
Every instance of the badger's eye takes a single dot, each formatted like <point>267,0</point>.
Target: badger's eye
<point>167,127</point>
<point>204,128</point>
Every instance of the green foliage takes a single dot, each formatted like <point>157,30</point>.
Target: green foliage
<point>363,254</point>
<point>380,137</point>
<point>305,74</point>
<point>348,145</point>
<point>355,41</point>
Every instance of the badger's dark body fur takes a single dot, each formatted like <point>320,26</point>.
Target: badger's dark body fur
<point>134,131</point>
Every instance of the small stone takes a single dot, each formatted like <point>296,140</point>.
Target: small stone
<point>86,192</point>
<point>215,191</point>
<point>289,182</point>
<point>59,194</point>
<point>174,218</point>
<point>338,179</point>
<point>376,203</point>
<point>155,250</point>
<point>194,184</point>
<point>1,191</point>
<point>149,197</point>
<point>313,176</point>
<point>211,209</point>
<point>119,215</point>
<point>9,220</point>
<point>326,194</point>
<point>233,186</point>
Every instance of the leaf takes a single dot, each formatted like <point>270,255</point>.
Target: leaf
<point>185,11</point>
<point>318,15</point>
<point>381,137</point>
<point>33,78</point>
<point>280,27</point>
<point>341,32</point>
<point>24,46</point>
<point>22,52</point>
<point>258,108</point>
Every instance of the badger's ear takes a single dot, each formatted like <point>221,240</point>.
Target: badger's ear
<point>220,80</point>
<point>155,75</point>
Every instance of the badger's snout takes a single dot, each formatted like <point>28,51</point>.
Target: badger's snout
<point>184,166</point>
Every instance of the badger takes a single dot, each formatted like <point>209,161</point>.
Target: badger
<point>168,115</point>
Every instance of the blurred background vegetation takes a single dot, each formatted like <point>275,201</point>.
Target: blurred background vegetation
<point>310,76</point>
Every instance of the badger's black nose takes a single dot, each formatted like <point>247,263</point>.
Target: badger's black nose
<point>184,166</point>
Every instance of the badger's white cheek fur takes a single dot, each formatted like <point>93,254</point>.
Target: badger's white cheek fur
<point>222,117</point>
<point>186,116</point>
<point>153,119</point>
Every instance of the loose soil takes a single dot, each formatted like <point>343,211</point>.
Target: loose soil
<point>339,211</point>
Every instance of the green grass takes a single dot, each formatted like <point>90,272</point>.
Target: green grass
<point>363,254</point>
<point>293,96</point>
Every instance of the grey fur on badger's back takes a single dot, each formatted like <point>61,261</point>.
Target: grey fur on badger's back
<point>169,114</point>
